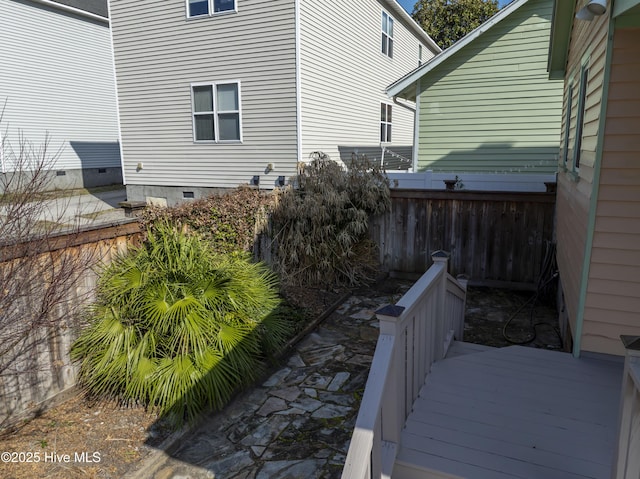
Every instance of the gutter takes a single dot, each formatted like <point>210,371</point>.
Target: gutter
<point>73,10</point>
<point>414,159</point>
<point>403,105</point>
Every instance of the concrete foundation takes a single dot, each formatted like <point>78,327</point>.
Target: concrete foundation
<point>85,178</point>
<point>169,195</point>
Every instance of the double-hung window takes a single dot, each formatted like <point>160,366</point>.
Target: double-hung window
<point>387,34</point>
<point>216,112</point>
<point>196,8</point>
<point>385,123</point>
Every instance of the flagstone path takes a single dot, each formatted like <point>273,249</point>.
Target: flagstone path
<point>297,423</point>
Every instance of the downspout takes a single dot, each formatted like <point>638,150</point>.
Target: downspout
<point>593,203</point>
<point>298,83</point>
<point>416,127</point>
<point>415,130</point>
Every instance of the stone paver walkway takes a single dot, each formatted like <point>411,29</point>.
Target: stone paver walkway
<point>297,424</point>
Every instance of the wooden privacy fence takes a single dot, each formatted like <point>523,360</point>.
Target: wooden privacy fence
<point>414,333</point>
<point>35,364</point>
<point>495,238</point>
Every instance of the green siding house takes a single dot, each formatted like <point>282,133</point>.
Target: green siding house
<point>486,104</point>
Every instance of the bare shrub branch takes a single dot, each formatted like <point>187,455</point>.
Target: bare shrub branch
<point>320,227</point>
<point>41,288</point>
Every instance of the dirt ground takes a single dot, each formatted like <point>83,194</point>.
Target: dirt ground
<point>79,439</point>
<point>499,318</point>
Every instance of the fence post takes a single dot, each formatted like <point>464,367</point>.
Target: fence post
<point>463,280</point>
<point>394,397</point>
<point>626,460</point>
<point>441,257</point>
<point>428,179</point>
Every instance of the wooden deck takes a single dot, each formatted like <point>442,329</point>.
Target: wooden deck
<point>513,412</point>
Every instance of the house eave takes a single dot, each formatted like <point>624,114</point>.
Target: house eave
<point>561,23</point>
<point>405,86</point>
<point>622,7</point>
<point>73,10</point>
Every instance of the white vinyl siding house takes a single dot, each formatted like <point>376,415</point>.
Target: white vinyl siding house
<point>159,58</point>
<point>52,84</point>
<point>310,76</point>
<point>345,70</point>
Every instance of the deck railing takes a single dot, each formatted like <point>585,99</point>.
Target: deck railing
<point>626,463</point>
<point>414,334</point>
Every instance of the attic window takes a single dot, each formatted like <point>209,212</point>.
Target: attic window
<point>197,8</point>
<point>387,34</point>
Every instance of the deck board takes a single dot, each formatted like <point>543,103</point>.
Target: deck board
<point>460,348</point>
<point>519,412</point>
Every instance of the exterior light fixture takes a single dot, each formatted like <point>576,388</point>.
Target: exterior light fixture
<point>597,7</point>
<point>592,9</point>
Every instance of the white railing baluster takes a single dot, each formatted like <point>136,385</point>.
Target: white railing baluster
<point>414,334</point>
<point>626,461</point>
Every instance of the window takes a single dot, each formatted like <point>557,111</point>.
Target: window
<point>419,55</point>
<point>196,8</point>
<point>387,34</point>
<point>385,122</point>
<point>582,96</point>
<point>216,112</point>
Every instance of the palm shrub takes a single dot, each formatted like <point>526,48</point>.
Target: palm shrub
<point>178,327</point>
<point>320,227</point>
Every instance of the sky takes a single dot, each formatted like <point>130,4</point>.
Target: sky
<point>408,4</point>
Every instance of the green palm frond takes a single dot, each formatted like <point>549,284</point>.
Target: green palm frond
<point>178,327</point>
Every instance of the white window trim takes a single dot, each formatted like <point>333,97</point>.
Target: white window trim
<point>389,17</point>
<point>211,12</point>
<point>215,112</point>
<point>389,123</point>
<point>567,125</point>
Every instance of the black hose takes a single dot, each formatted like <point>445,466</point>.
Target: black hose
<point>548,273</point>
